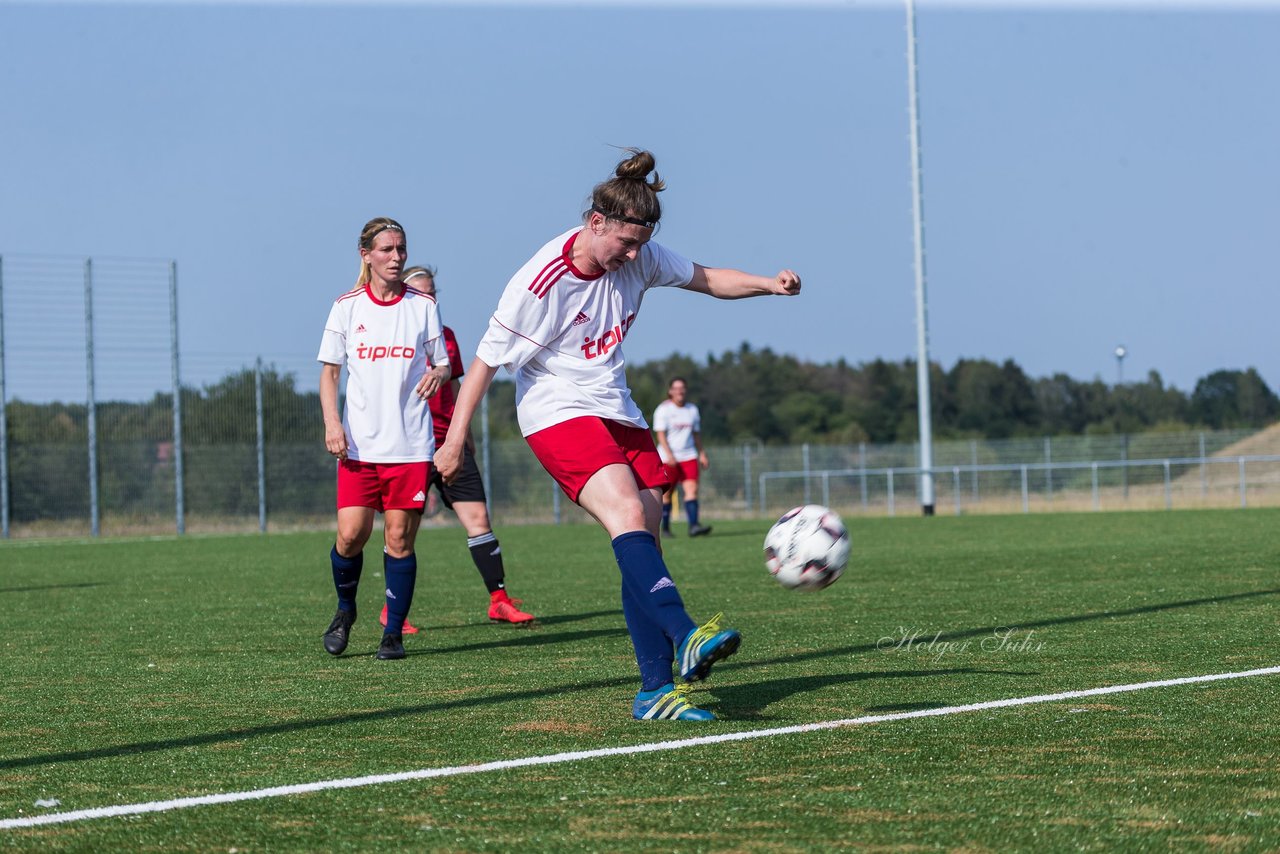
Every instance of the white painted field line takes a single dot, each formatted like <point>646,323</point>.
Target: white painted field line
<point>574,756</point>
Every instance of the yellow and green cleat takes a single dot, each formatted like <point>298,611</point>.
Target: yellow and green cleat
<point>668,703</point>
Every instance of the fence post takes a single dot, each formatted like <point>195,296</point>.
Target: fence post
<point>1168,488</point>
<point>4,424</point>
<point>804,451</point>
<point>1244,500</point>
<point>746,475</point>
<point>262,447</point>
<point>91,405</point>
<point>826,488</point>
<point>555,500</point>
<point>862,467</point>
<point>1204,480</point>
<point>1124,469</point>
<point>1048,469</point>
<point>179,499</point>
<point>1097,504</point>
<point>762,494</point>
<point>956,486</point>
<point>1026,504</point>
<point>973,459</point>
<point>891,492</point>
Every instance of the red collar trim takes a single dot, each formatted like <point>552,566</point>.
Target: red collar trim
<point>369,291</point>
<point>567,254</point>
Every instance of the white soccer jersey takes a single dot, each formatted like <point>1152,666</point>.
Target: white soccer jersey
<point>679,423</point>
<point>386,347</point>
<point>561,332</point>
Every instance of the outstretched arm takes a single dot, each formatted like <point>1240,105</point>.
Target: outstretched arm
<point>724,283</point>
<point>448,458</point>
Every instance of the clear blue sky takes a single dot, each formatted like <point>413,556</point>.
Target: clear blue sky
<point>1093,175</point>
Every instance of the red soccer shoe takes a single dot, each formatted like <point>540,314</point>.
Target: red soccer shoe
<point>408,628</point>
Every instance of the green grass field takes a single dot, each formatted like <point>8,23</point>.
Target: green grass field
<point>140,671</point>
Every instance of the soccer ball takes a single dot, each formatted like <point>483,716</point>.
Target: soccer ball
<point>807,548</point>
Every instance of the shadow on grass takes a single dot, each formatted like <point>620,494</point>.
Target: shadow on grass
<point>312,725</point>
<point>743,702</point>
<point>719,535</point>
<point>527,637</point>
<point>748,702</point>
<point>540,622</point>
<point>51,587</point>
<point>988,631</point>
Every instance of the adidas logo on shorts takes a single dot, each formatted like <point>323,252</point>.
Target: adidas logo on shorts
<point>421,496</point>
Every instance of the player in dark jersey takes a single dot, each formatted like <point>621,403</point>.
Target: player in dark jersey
<point>465,496</point>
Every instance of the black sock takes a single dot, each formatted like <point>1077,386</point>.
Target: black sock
<point>487,555</point>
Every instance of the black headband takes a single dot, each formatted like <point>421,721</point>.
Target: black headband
<point>629,219</point>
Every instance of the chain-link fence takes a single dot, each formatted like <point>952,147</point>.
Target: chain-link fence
<point>94,440</point>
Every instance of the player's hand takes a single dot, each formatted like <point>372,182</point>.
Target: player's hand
<point>787,283</point>
<point>430,383</point>
<point>448,461</point>
<point>703,460</point>
<point>335,440</point>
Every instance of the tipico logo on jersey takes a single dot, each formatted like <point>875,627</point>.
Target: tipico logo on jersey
<point>592,347</point>
<point>376,352</point>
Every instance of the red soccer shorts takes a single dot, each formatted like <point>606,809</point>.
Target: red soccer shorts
<point>383,486</point>
<point>686,470</point>
<point>572,451</point>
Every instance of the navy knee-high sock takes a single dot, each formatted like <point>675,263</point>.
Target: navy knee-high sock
<point>645,573</point>
<point>401,574</point>
<point>666,516</point>
<point>654,652</point>
<point>691,510</point>
<point>346,577</point>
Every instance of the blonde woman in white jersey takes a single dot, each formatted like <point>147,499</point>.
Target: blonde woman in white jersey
<point>388,335</point>
<point>559,326</point>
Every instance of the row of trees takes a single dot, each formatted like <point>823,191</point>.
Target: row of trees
<point>743,394</point>
<point>779,399</point>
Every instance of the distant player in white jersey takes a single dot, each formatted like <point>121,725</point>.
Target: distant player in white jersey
<point>678,426</point>
<point>389,337</point>
<point>559,326</point>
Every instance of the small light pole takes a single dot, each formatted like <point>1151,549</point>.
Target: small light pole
<point>1121,352</point>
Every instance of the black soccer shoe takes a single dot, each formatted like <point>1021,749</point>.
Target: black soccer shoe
<point>699,530</point>
<point>339,632</point>
<point>392,647</point>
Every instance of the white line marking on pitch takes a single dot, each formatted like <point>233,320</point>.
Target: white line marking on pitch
<point>574,756</point>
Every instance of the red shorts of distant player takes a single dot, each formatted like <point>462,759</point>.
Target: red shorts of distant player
<point>681,471</point>
<point>572,451</point>
<point>383,486</point>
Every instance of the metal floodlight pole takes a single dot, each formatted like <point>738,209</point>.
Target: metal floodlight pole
<point>260,430</point>
<point>4,424</point>
<point>91,403</point>
<point>922,306</point>
<point>179,502</point>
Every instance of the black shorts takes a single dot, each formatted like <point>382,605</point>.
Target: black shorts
<point>467,486</point>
